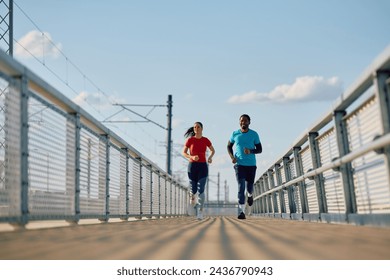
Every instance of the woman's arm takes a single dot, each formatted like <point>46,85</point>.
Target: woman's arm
<point>188,156</point>
<point>212,150</point>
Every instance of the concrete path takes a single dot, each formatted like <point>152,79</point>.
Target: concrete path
<point>213,238</point>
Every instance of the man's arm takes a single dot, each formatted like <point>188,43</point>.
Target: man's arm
<point>230,151</point>
<point>258,149</point>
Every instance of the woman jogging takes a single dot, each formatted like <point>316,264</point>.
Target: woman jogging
<point>195,151</point>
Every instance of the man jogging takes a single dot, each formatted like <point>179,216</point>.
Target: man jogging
<point>247,144</point>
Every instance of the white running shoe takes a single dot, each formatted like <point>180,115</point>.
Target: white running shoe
<point>199,216</point>
<point>193,199</point>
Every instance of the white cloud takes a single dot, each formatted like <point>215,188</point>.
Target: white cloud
<point>92,99</point>
<point>38,44</point>
<point>304,89</point>
<point>81,99</point>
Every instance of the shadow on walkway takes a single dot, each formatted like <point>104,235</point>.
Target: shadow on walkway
<point>213,238</point>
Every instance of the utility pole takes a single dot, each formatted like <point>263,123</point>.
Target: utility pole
<point>207,190</point>
<point>218,188</point>
<point>7,18</point>
<point>146,119</point>
<point>169,135</point>
<point>226,192</point>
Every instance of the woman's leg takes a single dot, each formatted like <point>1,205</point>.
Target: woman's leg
<point>193,177</point>
<point>203,175</point>
<point>201,187</point>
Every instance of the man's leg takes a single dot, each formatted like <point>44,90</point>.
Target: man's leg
<point>250,178</point>
<point>241,191</point>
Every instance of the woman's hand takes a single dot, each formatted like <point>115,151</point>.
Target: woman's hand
<point>195,158</point>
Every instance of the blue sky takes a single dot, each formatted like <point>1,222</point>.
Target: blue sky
<point>282,62</point>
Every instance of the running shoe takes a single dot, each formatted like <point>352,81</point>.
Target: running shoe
<point>200,215</point>
<point>193,199</point>
<point>250,200</point>
<point>242,216</point>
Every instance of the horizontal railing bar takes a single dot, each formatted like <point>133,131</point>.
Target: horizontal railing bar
<point>378,143</point>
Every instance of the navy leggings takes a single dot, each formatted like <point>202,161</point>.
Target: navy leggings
<point>198,173</point>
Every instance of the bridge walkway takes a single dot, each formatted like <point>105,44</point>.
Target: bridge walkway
<point>213,238</point>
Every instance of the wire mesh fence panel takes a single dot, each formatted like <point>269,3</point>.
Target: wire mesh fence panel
<point>146,190</point>
<point>47,141</point>
<point>294,190</point>
<point>134,187</point>
<point>156,193</point>
<point>332,180</point>
<point>370,181</point>
<point>311,191</point>
<point>117,186</point>
<point>92,175</point>
<point>10,164</point>
<point>169,197</point>
<point>163,195</point>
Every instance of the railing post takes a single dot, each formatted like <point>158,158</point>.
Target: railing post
<point>179,198</point>
<point>127,183</point>
<point>382,86</point>
<point>159,193</point>
<point>170,195</point>
<point>183,197</point>
<point>74,127</point>
<point>267,188</point>
<point>165,195</point>
<point>257,202</point>
<point>151,189</point>
<point>264,199</point>
<point>301,184</point>
<point>273,195</point>
<point>345,169</point>
<point>281,192</point>
<point>140,187</point>
<point>255,193</point>
<point>24,97</point>
<point>318,179</point>
<point>107,178</point>
<point>173,200</point>
<point>287,173</point>
<point>176,198</point>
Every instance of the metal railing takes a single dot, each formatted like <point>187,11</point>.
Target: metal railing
<point>339,169</point>
<point>59,162</point>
